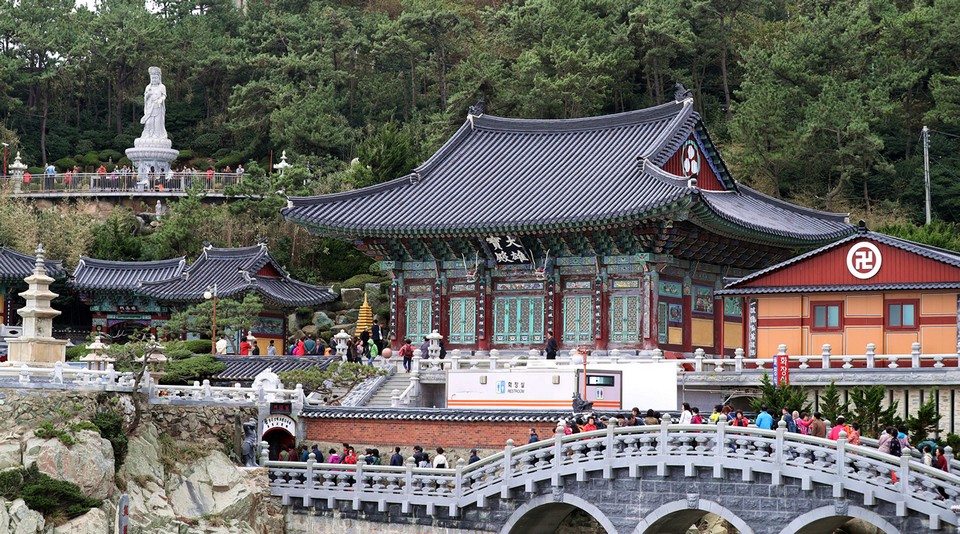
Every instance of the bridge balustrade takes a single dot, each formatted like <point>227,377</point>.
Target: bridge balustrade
<point>94,183</point>
<point>877,476</point>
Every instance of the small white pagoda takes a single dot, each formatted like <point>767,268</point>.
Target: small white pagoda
<point>37,346</point>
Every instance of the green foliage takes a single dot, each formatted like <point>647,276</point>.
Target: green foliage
<point>192,369</point>
<point>196,346</point>
<point>64,164</point>
<point>110,425</point>
<point>867,409</point>
<point>76,352</point>
<point>46,495</point>
<point>776,398</point>
<point>233,314</point>
<point>926,421</point>
<point>938,233</point>
<point>831,406</point>
<point>48,430</point>
<point>388,152</point>
<point>335,381</point>
<point>360,281</point>
<point>117,238</point>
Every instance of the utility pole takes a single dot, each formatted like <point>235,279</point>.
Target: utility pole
<point>926,167</point>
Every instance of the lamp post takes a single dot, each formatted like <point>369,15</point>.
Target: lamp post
<point>211,293</point>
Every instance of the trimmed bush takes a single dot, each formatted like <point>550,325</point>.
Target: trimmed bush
<point>190,369</point>
<point>64,164</point>
<point>360,281</point>
<point>44,494</point>
<point>110,155</point>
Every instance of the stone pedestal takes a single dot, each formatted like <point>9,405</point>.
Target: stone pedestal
<point>37,345</point>
<point>156,157</point>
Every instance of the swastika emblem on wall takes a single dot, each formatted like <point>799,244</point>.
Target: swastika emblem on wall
<point>864,260</point>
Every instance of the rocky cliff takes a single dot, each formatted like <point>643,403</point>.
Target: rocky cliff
<point>176,471</point>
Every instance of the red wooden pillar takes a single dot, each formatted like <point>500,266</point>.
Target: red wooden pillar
<point>485,328</point>
<point>718,326</point>
<point>399,316</point>
<point>442,314</point>
<point>604,315</point>
<point>557,324</point>
<point>687,315</point>
<point>745,321</point>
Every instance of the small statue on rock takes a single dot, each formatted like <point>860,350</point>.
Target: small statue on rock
<point>249,447</point>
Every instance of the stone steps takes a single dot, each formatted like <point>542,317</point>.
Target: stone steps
<point>382,397</point>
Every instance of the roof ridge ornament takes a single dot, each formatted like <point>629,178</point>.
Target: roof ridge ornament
<point>681,93</point>
<point>476,110</point>
<point>415,178</point>
<point>862,226</point>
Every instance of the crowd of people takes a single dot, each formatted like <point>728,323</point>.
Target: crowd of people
<point>363,348</point>
<point>348,455</point>
<point>125,178</point>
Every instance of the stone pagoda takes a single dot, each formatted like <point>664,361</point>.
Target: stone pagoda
<point>37,345</point>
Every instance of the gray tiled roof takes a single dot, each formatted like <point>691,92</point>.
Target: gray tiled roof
<point>516,175</point>
<point>949,257</point>
<point>94,274</point>
<point>440,414</point>
<point>14,266</point>
<point>245,368</point>
<point>234,270</point>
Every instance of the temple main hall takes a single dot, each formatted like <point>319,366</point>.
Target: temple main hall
<point>613,232</point>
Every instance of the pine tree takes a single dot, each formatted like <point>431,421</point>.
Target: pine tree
<point>868,409</point>
<point>830,405</point>
<point>775,398</point>
<point>927,420</point>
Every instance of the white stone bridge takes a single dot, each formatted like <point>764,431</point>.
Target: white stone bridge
<point>641,479</point>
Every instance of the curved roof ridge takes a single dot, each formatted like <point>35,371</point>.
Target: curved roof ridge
<point>625,118</point>
<point>232,252</point>
<point>747,190</point>
<point>347,195</point>
<point>651,168</point>
<point>106,264</point>
<point>668,135</point>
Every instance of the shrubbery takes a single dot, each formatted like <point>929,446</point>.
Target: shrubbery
<point>191,369</point>
<point>49,496</point>
<point>110,425</point>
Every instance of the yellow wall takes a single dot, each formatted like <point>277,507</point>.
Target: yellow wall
<point>675,335</point>
<point>768,339</point>
<point>702,335</point>
<point>938,303</point>
<point>732,335</point>
<point>857,338</point>
<point>938,339</point>
<point>779,307</point>
<point>864,306</point>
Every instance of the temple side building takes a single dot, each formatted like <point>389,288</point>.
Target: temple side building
<point>612,232</point>
<point>868,288</point>
<point>14,267</point>
<point>145,293</point>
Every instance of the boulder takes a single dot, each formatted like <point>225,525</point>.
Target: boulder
<point>88,463</point>
<point>211,485</point>
<point>322,321</point>
<point>93,522</point>
<point>149,507</point>
<point>310,330</point>
<point>351,297</point>
<point>143,456</point>
<point>23,520</point>
<point>10,454</point>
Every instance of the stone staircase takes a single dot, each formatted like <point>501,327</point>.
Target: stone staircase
<point>382,397</point>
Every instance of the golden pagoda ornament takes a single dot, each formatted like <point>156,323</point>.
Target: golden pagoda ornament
<point>365,318</point>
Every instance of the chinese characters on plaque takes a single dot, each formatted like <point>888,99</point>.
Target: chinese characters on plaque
<point>507,250</point>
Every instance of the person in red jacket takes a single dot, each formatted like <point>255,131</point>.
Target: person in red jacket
<point>740,419</point>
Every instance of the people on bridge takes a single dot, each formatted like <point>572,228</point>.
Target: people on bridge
<point>888,442</point>
<point>717,413</point>
<point>590,426</point>
<point>818,428</point>
<point>904,440</point>
<point>802,421</point>
<point>396,459</point>
<point>686,415</point>
<point>696,419</point>
<point>764,419</point>
<point>853,438</point>
<point>787,418</point>
<point>652,418</point>
<point>840,426</point>
<point>473,456</point>
<point>440,460</point>
<point>740,420</point>
<point>533,436</point>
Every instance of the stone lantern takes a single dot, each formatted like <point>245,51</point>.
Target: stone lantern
<point>154,356</point>
<point>434,349</point>
<point>97,360</point>
<point>17,170</point>
<point>342,339</point>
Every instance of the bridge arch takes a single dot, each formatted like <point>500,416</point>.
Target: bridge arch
<point>543,514</point>
<point>829,518</point>
<point>677,516</point>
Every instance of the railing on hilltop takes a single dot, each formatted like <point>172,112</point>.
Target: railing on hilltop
<point>875,475</point>
<point>115,182</point>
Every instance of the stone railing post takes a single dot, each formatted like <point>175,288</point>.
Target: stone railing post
<point>893,361</point>
<point>698,360</point>
<point>207,389</point>
<point>938,360</point>
<point>457,486</point>
<point>395,398</point>
<point>507,470</point>
<point>533,354</point>
<point>415,382</point>
<point>309,483</point>
<point>264,453</point>
<point>455,356</point>
<point>904,474</point>
<point>779,454</point>
<point>825,356</point>
<point>738,360</point>
<point>614,356</point>
<point>417,356</point>
<point>871,355</point>
<point>557,454</point>
<point>841,464</point>
<point>494,355</point>
<point>915,355</point>
<point>657,355</point>
<point>948,452</point>
<point>609,451</point>
<point>408,483</point>
<point>664,434</point>
<point>720,448</point>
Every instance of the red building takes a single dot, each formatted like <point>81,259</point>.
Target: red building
<point>866,288</point>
